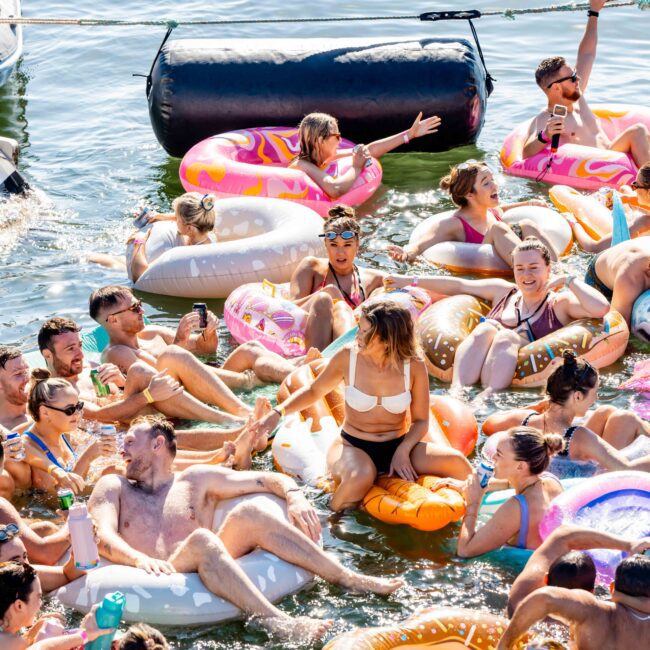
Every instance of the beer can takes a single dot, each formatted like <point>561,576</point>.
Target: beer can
<point>101,389</point>
<point>13,440</point>
<point>65,497</point>
<point>485,471</point>
<point>202,310</point>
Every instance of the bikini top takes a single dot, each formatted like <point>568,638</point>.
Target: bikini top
<point>568,434</point>
<point>68,467</point>
<point>473,236</point>
<point>363,402</point>
<point>545,323</point>
<point>357,296</point>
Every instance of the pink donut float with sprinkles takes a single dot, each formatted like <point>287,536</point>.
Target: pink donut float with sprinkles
<point>587,168</point>
<point>254,162</point>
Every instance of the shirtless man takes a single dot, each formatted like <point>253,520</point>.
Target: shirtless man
<point>563,85</point>
<point>595,624</point>
<point>121,314</point>
<point>161,521</point>
<point>561,561</point>
<point>622,273</point>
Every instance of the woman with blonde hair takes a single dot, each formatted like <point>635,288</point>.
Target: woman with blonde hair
<point>319,145</point>
<point>478,219</point>
<point>195,218</point>
<point>141,637</point>
<point>386,408</point>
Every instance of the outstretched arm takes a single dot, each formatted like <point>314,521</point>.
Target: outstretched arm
<point>419,128</point>
<point>569,605</point>
<point>588,44</point>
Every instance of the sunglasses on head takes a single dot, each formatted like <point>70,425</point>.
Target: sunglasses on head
<point>573,77</point>
<point>345,234</point>
<point>8,532</point>
<point>68,410</point>
<point>472,163</point>
<point>135,307</point>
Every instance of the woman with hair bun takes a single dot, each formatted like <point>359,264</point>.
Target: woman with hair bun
<point>55,407</point>
<point>521,312</point>
<point>572,389</point>
<point>330,288</point>
<point>195,218</point>
<point>521,458</point>
<point>319,145</point>
<point>478,219</point>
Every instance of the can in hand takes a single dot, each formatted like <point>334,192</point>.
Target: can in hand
<point>65,497</point>
<point>202,309</point>
<point>101,389</point>
<point>14,447</point>
<point>485,471</point>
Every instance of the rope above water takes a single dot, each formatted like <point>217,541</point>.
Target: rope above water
<point>427,16</point>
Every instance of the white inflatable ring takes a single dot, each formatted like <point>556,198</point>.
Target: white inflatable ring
<point>182,598</point>
<point>259,239</point>
<point>461,257</point>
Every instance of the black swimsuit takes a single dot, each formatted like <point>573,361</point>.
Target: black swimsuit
<point>568,434</point>
<point>381,453</point>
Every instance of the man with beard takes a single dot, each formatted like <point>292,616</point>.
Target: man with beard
<point>122,315</point>
<point>161,521</point>
<point>563,85</point>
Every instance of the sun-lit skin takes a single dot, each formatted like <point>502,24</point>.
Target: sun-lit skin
<point>14,381</point>
<point>131,320</point>
<point>485,192</point>
<point>57,421</point>
<point>531,274</point>
<point>67,358</point>
<point>342,253</point>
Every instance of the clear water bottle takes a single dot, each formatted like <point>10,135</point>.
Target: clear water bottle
<point>108,615</point>
<point>82,536</point>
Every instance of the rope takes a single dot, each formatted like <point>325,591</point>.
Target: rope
<point>428,16</point>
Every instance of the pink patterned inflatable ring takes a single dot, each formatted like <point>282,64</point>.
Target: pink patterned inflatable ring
<point>586,168</point>
<point>254,162</point>
<point>615,502</point>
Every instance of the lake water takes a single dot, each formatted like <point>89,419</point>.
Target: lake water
<point>88,149</point>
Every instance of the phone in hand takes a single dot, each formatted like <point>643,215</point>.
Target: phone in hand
<point>202,309</point>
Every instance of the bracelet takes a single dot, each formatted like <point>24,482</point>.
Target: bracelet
<point>51,468</point>
<point>405,137</point>
<point>415,280</point>
<point>593,14</point>
<point>148,396</point>
<point>138,242</point>
<point>280,410</point>
<point>84,636</point>
<point>541,138</point>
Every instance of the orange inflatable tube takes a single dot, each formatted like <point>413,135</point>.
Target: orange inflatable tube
<point>443,628</point>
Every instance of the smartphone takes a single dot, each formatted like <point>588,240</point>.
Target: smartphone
<point>202,310</point>
<point>355,149</point>
<point>559,110</point>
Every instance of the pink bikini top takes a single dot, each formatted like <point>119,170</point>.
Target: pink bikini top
<point>473,236</point>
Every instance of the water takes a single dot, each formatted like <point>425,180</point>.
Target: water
<point>88,148</point>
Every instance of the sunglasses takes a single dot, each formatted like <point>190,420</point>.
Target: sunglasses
<point>8,532</point>
<point>68,410</point>
<point>471,163</point>
<point>637,186</point>
<point>135,307</point>
<point>338,136</point>
<point>573,77</point>
<point>332,235</point>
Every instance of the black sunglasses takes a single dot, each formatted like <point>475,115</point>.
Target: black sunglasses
<point>68,410</point>
<point>574,77</point>
<point>136,306</point>
<point>8,532</point>
<point>345,234</point>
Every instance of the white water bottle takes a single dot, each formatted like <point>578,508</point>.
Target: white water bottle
<point>82,536</point>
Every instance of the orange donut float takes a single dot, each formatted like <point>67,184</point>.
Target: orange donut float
<point>444,628</point>
<point>448,322</point>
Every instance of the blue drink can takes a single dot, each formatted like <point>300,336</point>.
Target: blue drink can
<point>485,472</point>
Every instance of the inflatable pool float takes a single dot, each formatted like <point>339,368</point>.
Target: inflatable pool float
<point>182,598</point>
<point>443,326</point>
<point>262,311</point>
<point>641,317</point>
<point>482,259</point>
<point>446,628</point>
<point>586,168</point>
<point>254,162</point>
<point>640,382</point>
<point>616,502</point>
<point>257,239</point>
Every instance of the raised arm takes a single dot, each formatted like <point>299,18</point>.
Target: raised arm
<point>569,605</point>
<point>588,44</point>
<point>581,301</point>
<point>418,129</point>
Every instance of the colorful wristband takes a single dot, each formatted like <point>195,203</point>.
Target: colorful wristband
<point>148,396</point>
<point>405,137</point>
<point>84,635</point>
<point>415,280</point>
<point>280,410</point>
<point>50,469</point>
<point>541,138</point>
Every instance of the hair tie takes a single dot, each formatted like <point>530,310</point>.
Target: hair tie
<point>206,202</point>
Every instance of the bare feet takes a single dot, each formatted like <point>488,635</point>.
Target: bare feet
<point>312,355</point>
<point>262,407</point>
<point>361,583</point>
<point>301,629</point>
<point>244,445</point>
<point>226,455</point>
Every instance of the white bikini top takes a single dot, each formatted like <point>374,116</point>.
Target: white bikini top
<point>362,402</point>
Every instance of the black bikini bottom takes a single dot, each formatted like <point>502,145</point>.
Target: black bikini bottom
<point>381,453</point>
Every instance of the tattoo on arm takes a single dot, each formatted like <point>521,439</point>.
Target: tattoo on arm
<point>259,482</point>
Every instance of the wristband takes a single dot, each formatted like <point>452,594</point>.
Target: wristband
<point>414,281</point>
<point>593,14</point>
<point>405,137</point>
<point>84,636</point>
<point>540,137</point>
<point>280,410</point>
<point>138,242</point>
<point>50,469</point>
<point>148,396</point>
